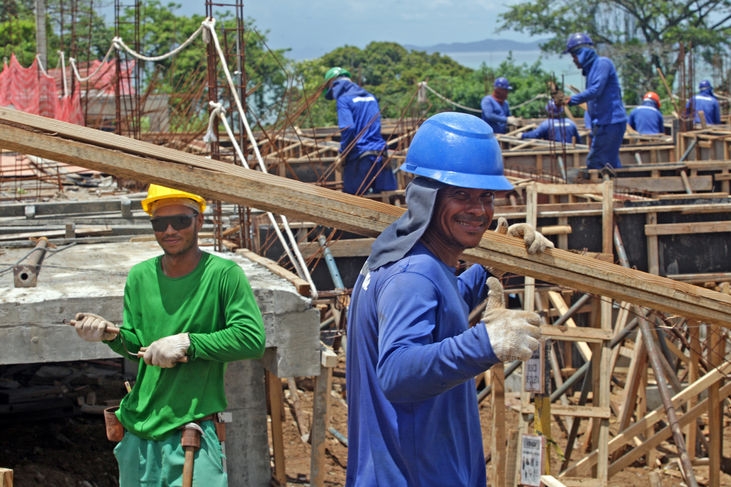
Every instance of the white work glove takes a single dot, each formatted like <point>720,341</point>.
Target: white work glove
<point>513,334</point>
<point>167,351</point>
<point>512,120</point>
<point>94,328</point>
<point>535,242</point>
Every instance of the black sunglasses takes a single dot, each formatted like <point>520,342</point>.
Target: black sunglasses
<point>178,222</point>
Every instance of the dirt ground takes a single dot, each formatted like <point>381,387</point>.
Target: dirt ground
<point>71,450</point>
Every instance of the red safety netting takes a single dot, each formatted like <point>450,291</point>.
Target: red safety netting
<point>31,90</point>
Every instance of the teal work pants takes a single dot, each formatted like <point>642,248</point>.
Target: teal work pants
<point>150,463</point>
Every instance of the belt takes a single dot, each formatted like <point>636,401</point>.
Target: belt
<point>218,423</point>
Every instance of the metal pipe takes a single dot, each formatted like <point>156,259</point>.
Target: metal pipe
<point>330,261</point>
<point>26,274</point>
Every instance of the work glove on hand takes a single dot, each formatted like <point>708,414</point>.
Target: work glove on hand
<point>513,334</point>
<point>94,328</point>
<point>167,351</point>
<point>512,120</point>
<point>534,240</point>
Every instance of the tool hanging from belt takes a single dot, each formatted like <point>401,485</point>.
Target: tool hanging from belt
<point>190,439</point>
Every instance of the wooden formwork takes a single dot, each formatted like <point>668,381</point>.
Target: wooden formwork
<point>619,294</point>
<point>709,144</point>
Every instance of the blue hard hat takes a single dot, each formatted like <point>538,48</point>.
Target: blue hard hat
<point>502,83</point>
<point>705,85</point>
<point>457,149</point>
<point>577,39</point>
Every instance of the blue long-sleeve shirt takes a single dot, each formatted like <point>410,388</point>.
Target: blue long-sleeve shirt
<point>413,416</point>
<point>359,119</point>
<point>647,119</point>
<point>603,94</point>
<point>706,102</point>
<point>560,130</point>
<point>495,113</point>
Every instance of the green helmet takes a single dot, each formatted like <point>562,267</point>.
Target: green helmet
<point>335,72</point>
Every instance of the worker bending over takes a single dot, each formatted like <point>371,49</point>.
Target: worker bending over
<point>556,127</point>
<point>647,118</point>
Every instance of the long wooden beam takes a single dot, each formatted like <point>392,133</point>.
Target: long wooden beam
<point>145,162</point>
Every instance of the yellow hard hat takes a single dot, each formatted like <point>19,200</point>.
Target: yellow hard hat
<point>157,193</point>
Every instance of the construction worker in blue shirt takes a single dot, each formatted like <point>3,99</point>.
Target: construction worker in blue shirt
<point>496,109</point>
<point>647,118</point>
<point>556,127</point>
<point>362,147</point>
<point>413,417</point>
<point>704,101</point>
<point>603,97</point>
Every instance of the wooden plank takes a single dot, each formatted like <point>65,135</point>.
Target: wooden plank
<point>218,180</point>
<point>320,419</point>
<point>651,442</point>
<point>575,411</point>
<point>664,184</point>
<point>688,228</point>
<point>575,333</point>
<point>350,247</point>
<point>274,391</point>
<point>303,287</point>
<point>559,303</point>
<point>81,230</point>
<point>640,426</point>
<point>6,477</point>
<point>498,440</point>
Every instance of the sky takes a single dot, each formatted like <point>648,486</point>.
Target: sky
<point>314,27</point>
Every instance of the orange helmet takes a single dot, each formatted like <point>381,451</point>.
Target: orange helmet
<point>651,95</point>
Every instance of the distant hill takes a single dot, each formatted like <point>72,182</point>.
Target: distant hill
<point>486,45</point>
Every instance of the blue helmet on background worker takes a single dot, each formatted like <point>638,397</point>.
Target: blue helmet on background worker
<point>705,85</point>
<point>577,40</point>
<point>457,149</point>
<point>503,83</point>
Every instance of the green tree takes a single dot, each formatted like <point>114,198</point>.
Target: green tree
<point>638,35</point>
<point>18,37</point>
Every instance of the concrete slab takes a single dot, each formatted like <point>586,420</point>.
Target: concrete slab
<point>90,277</point>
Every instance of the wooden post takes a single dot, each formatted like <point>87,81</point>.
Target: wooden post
<point>716,355</point>
<point>274,392</point>
<point>6,477</point>
<point>497,468</point>
<point>323,385</point>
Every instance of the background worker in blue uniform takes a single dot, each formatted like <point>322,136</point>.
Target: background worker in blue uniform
<point>362,148</point>
<point>704,101</point>
<point>556,127</point>
<point>413,416</point>
<point>603,97</point>
<point>496,109</point>
<point>647,118</point>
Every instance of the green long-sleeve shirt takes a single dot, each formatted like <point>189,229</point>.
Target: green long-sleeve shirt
<point>216,306</point>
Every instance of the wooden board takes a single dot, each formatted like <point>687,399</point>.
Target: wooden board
<point>218,180</point>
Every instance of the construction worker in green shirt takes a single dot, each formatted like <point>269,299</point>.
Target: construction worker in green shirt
<point>186,314</point>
